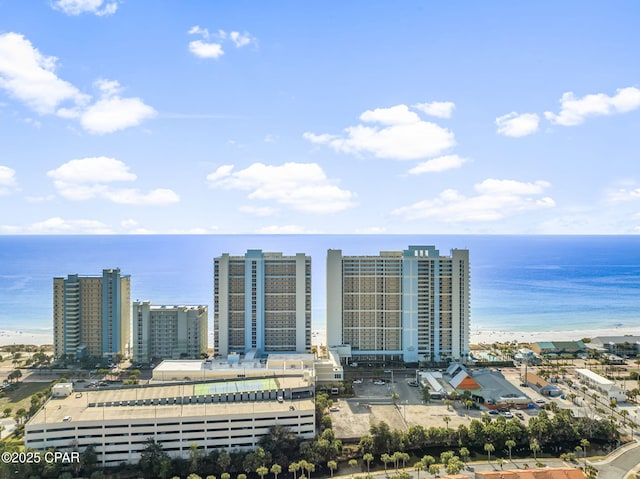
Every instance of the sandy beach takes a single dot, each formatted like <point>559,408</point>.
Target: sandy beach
<point>478,336</point>
<point>485,336</point>
<point>8,337</point>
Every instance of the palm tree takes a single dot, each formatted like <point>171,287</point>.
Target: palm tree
<point>535,448</point>
<point>434,469</point>
<point>386,459</point>
<point>464,453</point>
<point>367,458</point>
<point>446,420</point>
<point>404,457</point>
<point>418,466</point>
<point>261,471</point>
<point>275,470</point>
<point>332,465</point>
<point>510,443</point>
<point>489,448</point>
<point>428,461</point>
<point>294,467</point>
<point>584,443</point>
<point>624,413</point>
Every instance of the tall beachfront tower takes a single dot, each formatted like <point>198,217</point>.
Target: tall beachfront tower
<point>92,315</point>
<point>410,305</point>
<point>262,301</point>
<point>169,332</point>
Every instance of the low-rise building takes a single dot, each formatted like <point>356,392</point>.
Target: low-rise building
<point>542,385</point>
<point>119,423</point>
<point>558,348</point>
<point>627,345</point>
<point>533,473</point>
<point>601,384</point>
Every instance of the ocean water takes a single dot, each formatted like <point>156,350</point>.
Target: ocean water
<point>518,283</point>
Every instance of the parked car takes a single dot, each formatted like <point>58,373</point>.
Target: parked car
<point>334,408</point>
<point>379,382</point>
<point>413,384</point>
<point>357,381</point>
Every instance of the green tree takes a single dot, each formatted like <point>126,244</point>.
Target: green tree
<point>152,459</point>
<point>489,448</point>
<point>261,471</point>
<point>386,459</point>
<point>510,443</point>
<point>434,469</point>
<point>332,465</point>
<point>294,467</point>
<point>446,420</point>
<point>535,448</point>
<point>584,444</point>
<point>275,470</point>
<point>368,457</point>
<point>454,466</point>
<point>464,453</point>
<point>418,466</point>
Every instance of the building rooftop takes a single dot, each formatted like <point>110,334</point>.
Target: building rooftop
<point>541,473</point>
<point>138,403</point>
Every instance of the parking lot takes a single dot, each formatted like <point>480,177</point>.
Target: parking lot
<point>373,403</point>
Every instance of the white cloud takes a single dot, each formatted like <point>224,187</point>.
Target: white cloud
<point>113,114</point>
<point>439,109</point>
<point>624,194</point>
<point>205,50</point>
<point>372,230</point>
<point>442,163</point>
<point>516,125</point>
<point>129,223</point>
<point>574,111</point>
<point>89,178</point>
<point>301,186</point>
<point>496,199</point>
<point>402,136</point>
<point>285,230</point>
<point>59,225</point>
<point>30,76</point>
<point>240,39</point>
<point>258,210</point>
<point>77,7</point>
<point>395,115</point>
<point>157,197</point>
<point>99,169</point>
<point>7,179</point>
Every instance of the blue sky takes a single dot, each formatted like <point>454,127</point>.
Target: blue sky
<point>123,116</point>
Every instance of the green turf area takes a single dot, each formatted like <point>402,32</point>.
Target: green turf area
<point>19,395</point>
<point>235,387</point>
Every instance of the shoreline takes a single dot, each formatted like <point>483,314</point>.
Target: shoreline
<point>479,336</point>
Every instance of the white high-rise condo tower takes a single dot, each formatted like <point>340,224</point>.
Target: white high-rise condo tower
<point>409,306</point>
<point>262,302</point>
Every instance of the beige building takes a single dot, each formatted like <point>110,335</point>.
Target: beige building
<point>92,315</point>
<point>410,305</point>
<point>120,422</point>
<point>262,302</point>
<point>169,332</point>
